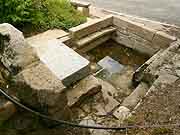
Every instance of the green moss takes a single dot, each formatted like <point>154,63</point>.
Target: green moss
<point>161,131</point>
<point>130,120</point>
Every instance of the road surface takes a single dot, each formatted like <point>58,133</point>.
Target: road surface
<point>160,10</point>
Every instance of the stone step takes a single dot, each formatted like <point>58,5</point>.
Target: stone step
<point>90,27</point>
<point>107,31</point>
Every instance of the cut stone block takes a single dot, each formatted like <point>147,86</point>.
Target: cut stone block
<point>86,87</point>
<point>64,62</point>
<point>95,36</point>
<point>94,44</point>
<point>134,27</point>
<point>80,3</point>
<point>163,40</point>
<point>90,27</point>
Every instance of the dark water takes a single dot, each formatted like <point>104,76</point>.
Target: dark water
<point>123,55</point>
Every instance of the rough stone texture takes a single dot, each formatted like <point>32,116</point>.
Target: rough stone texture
<point>132,100</point>
<point>139,37</point>
<point>64,62</point>
<point>108,91</point>
<point>133,41</point>
<point>90,27</point>
<point>85,88</point>
<point>94,44</point>
<point>161,102</point>
<point>82,42</point>
<point>90,122</point>
<point>15,53</point>
<point>38,87</point>
<point>134,27</point>
<point>122,113</point>
<point>42,38</point>
<point>6,110</point>
<point>161,39</point>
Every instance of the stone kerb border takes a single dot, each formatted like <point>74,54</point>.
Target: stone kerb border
<point>90,27</point>
<point>131,34</point>
<point>140,37</point>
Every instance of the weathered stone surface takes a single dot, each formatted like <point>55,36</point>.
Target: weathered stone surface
<point>140,37</point>
<point>95,36</point>
<point>7,109</point>
<point>134,27</point>
<point>167,78</point>
<point>122,113</point>
<point>91,122</point>
<point>90,27</point>
<point>132,100</point>
<point>163,40</point>
<point>85,88</point>
<point>94,44</point>
<point>100,110</point>
<point>42,38</point>
<point>108,91</point>
<point>64,62</point>
<point>15,53</point>
<point>133,41</point>
<point>38,85</point>
<point>123,81</point>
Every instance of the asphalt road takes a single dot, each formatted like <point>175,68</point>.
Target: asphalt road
<point>159,10</point>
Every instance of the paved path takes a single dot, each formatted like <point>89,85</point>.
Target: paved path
<point>160,10</point>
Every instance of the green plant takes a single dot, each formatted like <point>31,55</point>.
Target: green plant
<point>40,14</point>
<point>60,13</point>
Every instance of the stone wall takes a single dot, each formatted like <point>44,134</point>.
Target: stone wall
<point>139,37</point>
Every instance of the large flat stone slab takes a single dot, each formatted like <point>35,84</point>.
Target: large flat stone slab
<point>64,62</point>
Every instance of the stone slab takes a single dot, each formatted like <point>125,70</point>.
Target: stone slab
<point>80,3</point>
<point>94,44</point>
<point>110,65</point>
<point>42,38</point>
<point>90,27</point>
<point>64,62</point>
<point>86,87</point>
<point>95,36</point>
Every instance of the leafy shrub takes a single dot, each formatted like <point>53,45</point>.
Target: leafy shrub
<point>41,14</point>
